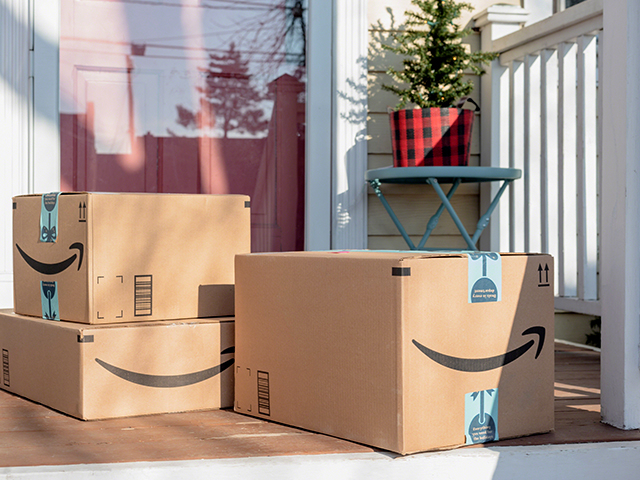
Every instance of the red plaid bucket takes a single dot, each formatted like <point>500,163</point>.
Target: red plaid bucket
<point>431,136</point>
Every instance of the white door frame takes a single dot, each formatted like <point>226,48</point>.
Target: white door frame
<point>29,31</point>
<point>14,114</point>
<point>44,165</point>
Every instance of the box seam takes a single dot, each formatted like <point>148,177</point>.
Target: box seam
<point>400,397</point>
<point>88,250</point>
<point>81,373</point>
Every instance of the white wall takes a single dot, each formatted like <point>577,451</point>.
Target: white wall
<point>538,10</point>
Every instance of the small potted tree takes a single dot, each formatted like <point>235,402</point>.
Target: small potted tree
<point>436,130</point>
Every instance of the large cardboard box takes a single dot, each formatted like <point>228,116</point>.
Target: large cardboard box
<point>104,371</point>
<point>403,351</point>
<point>113,258</point>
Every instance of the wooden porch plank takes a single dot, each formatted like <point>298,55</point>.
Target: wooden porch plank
<point>32,435</point>
<point>577,404</point>
<point>35,435</point>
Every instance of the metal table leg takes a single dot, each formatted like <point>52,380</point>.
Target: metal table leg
<point>484,219</point>
<point>447,204</point>
<point>433,221</point>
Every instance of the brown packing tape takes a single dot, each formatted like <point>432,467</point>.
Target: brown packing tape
<point>401,271</point>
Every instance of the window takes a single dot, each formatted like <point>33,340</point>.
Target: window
<point>189,97</point>
<point>560,5</point>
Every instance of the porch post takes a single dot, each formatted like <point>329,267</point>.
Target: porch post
<point>620,231</point>
<point>349,196</point>
<point>336,146</point>
<point>495,22</point>
<point>318,141</point>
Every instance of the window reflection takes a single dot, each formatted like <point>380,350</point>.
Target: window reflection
<point>188,96</point>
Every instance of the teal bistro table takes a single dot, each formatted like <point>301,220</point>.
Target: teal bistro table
<point>435,176</point>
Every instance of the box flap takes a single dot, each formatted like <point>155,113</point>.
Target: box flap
<point>27,195</point>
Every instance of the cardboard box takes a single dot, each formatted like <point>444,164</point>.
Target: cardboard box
<point>119,370</point>
<point>115,258</point>
<point>403,351</point>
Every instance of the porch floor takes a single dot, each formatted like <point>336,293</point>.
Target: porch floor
<point>33,435</point>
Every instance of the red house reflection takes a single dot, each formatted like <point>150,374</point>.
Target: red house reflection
<point>185,97</point>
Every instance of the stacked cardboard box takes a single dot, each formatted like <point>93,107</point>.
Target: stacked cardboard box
<point>135,280</point>
<point>404,351</point>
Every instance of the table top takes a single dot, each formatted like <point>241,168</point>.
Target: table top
<point>465,174</point>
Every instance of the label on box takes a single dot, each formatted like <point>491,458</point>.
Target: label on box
<point>481,416</point>
<point>485,277</point>
<point>49,218</point>
<point>49,297</point>
<point>6,378</point>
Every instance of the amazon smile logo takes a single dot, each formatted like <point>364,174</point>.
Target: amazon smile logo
<point>484,364</point>
<point>169,381</point>
<point>54,268</point>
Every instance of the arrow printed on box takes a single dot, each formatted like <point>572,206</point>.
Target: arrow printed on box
<point>82,216</point>
<point>168,381</point>
<point>489,363</point>
<point>546,275</point>
<point>53,268</point>
<point>480,394</point>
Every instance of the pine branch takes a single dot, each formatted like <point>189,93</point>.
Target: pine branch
<point>435,59</point>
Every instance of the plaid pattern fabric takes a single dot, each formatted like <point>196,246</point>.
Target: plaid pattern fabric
<point>431,137</point>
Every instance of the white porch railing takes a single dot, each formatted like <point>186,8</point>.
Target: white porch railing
<point>544,119</point>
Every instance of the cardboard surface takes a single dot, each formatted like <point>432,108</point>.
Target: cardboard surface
<point>120,370</point>
<point>403,351</point>
<point>115,258</point>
